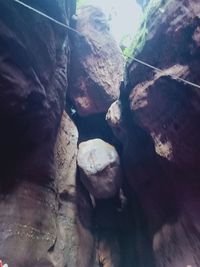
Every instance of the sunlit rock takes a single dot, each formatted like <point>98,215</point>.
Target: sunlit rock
<point>96,64</point>
<point>115,120</point>
<point>100,168</point>
<point>69,247</point>
<point>65,179</point>
<point>113,115</point>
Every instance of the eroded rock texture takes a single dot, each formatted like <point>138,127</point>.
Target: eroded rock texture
<point>134,200</point>
<point>65,249</point>
<point>33,83</point>
<point>162,152</point>
<point>75,243</point>
<point>97,64</point>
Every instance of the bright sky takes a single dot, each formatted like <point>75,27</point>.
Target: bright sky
<point>125,14</point>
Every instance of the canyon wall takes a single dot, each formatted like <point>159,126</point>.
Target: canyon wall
<point>96,171</point>
<point>164,171</point>
<point>34,56</point>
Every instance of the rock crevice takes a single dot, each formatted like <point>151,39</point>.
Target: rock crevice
<point>93,172</point>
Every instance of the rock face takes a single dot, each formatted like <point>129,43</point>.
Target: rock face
<point>180,104</point>
<point>166,108</point>
<point>32,87</point>
<point>33,82</point>
<point>165,129</point>
<point>100,168</point>
<point>65,179</point>
<point>28,224</point>
<point>96,65</point>
<point>114,114</point>
<point>74,245</point>
<point>134,200</point>
<point>46,214</point>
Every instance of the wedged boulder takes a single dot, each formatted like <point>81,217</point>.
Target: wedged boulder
<point>114,114</point>
<point>96,64</point>
<point>115,120</point>
<point>99,164</point>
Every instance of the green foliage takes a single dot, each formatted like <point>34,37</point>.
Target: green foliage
<point>137,42</point>
<point>153,9</point>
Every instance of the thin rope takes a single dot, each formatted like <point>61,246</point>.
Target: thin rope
<point>162,71</point>
<point>47,17</point>
<point>133,58</point>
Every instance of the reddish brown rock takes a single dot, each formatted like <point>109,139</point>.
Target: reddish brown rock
<point>114,114</point>
<point>47,217</point>
<point>74,243</point>
<point>32,87</point>
<point>169,111</point>
<point>115,119</point>
<point>164,170</point>
<point>96,65</point>
<point>33,82</point>
<point>65,250</point>
<point>167,108</point>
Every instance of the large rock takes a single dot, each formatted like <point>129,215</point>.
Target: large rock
<point>96,64</point>
<point>69,248</point>
<point>65,250</point>
<point>33,87</point>
<point>114,114</point>
<point>27,225</point>
<point>164,114</point>
<point>169,111</point>
<point>100,168</point>
<point>165,107</point>
<point>33,82</point>
<point>115,119</point>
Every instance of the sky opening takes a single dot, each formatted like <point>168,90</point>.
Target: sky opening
<point>124,17</point>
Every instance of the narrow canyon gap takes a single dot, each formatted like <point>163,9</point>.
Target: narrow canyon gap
<point>99,158</point>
